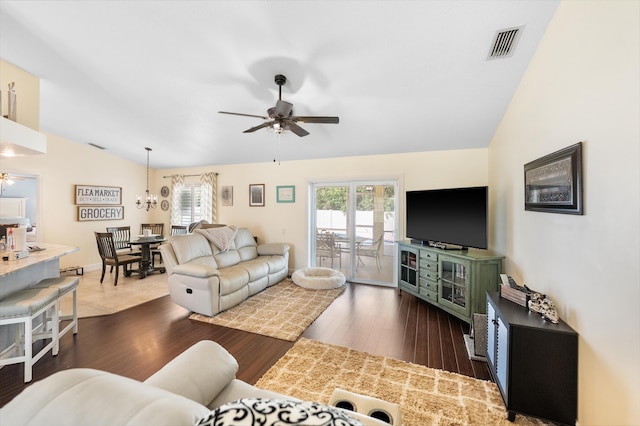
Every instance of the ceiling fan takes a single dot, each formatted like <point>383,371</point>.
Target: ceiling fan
<point>7,179</point>
<point>281,116</point>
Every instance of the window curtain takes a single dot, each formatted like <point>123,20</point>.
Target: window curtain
<point>208,197</point>
<point>177,183</point>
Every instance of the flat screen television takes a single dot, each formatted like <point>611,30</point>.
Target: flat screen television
<point>455,216</point>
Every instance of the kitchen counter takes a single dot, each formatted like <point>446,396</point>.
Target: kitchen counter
<point>22,273</point>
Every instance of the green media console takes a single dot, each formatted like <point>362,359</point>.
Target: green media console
<point>454,280</point>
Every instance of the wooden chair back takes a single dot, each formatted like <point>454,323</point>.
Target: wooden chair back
<point>106,246</point>
<point>156,228</point>
<point>121,236</point>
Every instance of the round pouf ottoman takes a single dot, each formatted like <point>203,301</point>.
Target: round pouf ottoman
<point>318,278</point>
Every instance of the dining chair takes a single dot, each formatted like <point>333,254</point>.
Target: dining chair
<point>110,256</point>
<point>121,236</point>
<point>327,248</point>
<point>370,250</point>
<point>121,239</point>
<point>156,229</point>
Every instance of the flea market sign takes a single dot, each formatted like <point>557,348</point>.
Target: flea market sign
<point>98,195</point>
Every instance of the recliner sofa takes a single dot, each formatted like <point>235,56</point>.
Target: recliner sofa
<point>183,392</point>
<point>214,269</point>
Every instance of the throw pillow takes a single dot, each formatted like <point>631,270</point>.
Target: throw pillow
<point>260,411</point>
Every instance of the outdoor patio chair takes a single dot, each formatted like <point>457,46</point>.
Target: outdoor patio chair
<point>327,248</point>
<point>370,250</point>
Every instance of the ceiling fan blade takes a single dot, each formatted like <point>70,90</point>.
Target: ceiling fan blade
<point>243,115</point>
<point>296,129</point>
<point>263,125</point>
<point>316,119</point>
<point>283,109</point>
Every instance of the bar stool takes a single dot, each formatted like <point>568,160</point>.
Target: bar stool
<point>21,308</point>
<point>65,285</point>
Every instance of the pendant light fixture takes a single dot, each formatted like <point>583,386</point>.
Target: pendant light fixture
<point>150,201</point>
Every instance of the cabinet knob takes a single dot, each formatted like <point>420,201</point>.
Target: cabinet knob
<point>494,322</point>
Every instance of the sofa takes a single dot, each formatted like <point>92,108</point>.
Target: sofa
<point>198,385</point>
<point>214,269</point>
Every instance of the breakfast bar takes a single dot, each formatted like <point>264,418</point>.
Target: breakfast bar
<point>16,275</point>
<point>22,273</point>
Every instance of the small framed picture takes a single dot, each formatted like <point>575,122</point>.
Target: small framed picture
<point>553,183</point>
<point>256,195</point>
<point>227,195</point>
<point>286,194</point>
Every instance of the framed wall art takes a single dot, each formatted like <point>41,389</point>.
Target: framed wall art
<point>98,195</point>
<point>227,195</point>
<point>553,183</point>
<point>256,195</point>
<point>90,213</point>
<point>286,194</point>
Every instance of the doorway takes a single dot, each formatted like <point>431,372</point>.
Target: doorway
<point>353,229</point>
<point>19,195</point>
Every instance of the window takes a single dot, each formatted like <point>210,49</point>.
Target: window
<point>190,203</point>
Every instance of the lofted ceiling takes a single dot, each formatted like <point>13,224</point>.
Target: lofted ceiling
<point>403,76</point>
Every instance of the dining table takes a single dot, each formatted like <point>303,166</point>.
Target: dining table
<point>145,243</point>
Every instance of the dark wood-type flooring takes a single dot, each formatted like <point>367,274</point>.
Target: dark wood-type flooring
<point>138,341</point>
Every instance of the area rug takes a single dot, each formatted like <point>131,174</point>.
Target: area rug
<point>95,299</point>
<point>311,370</point>
<point>282,311</point>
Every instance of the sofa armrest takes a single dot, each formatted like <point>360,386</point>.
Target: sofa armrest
<point>198,270</point>
<point>199,373</point>
<point>81,396</point>
<point>270,249</point>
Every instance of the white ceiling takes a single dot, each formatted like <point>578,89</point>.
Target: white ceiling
<point>403,76</point>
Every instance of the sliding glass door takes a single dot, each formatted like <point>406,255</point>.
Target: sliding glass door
<point>354,228</point>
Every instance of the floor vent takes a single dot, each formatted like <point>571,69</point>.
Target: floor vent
<point>504,43</point>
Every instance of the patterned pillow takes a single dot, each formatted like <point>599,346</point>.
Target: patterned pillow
<point>258,411</point>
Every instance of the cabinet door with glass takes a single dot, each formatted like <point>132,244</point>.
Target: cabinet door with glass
<point>454,284</point>
<point>408,269</point>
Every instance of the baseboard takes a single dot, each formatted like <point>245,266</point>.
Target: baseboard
<point>471,352</point>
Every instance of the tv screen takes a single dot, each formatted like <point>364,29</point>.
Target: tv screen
<point>449,216</point>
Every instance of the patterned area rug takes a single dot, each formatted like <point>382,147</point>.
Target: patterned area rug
<point>282,311</point>
<point>311,370</point>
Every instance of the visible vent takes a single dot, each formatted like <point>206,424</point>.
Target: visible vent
<point>96,146</point>
<point>504,43</point>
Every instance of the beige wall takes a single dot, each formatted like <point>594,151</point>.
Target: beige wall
<point>65,165</point>
<point>27,88</point>
<point>582,85</point>
<point>68,163</point>
<point>288,222</point>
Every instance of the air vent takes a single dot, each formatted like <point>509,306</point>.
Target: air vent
<point>504,43</point>
<point>96,146</point>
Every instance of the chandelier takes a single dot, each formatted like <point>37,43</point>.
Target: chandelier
<point>150,201</point>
